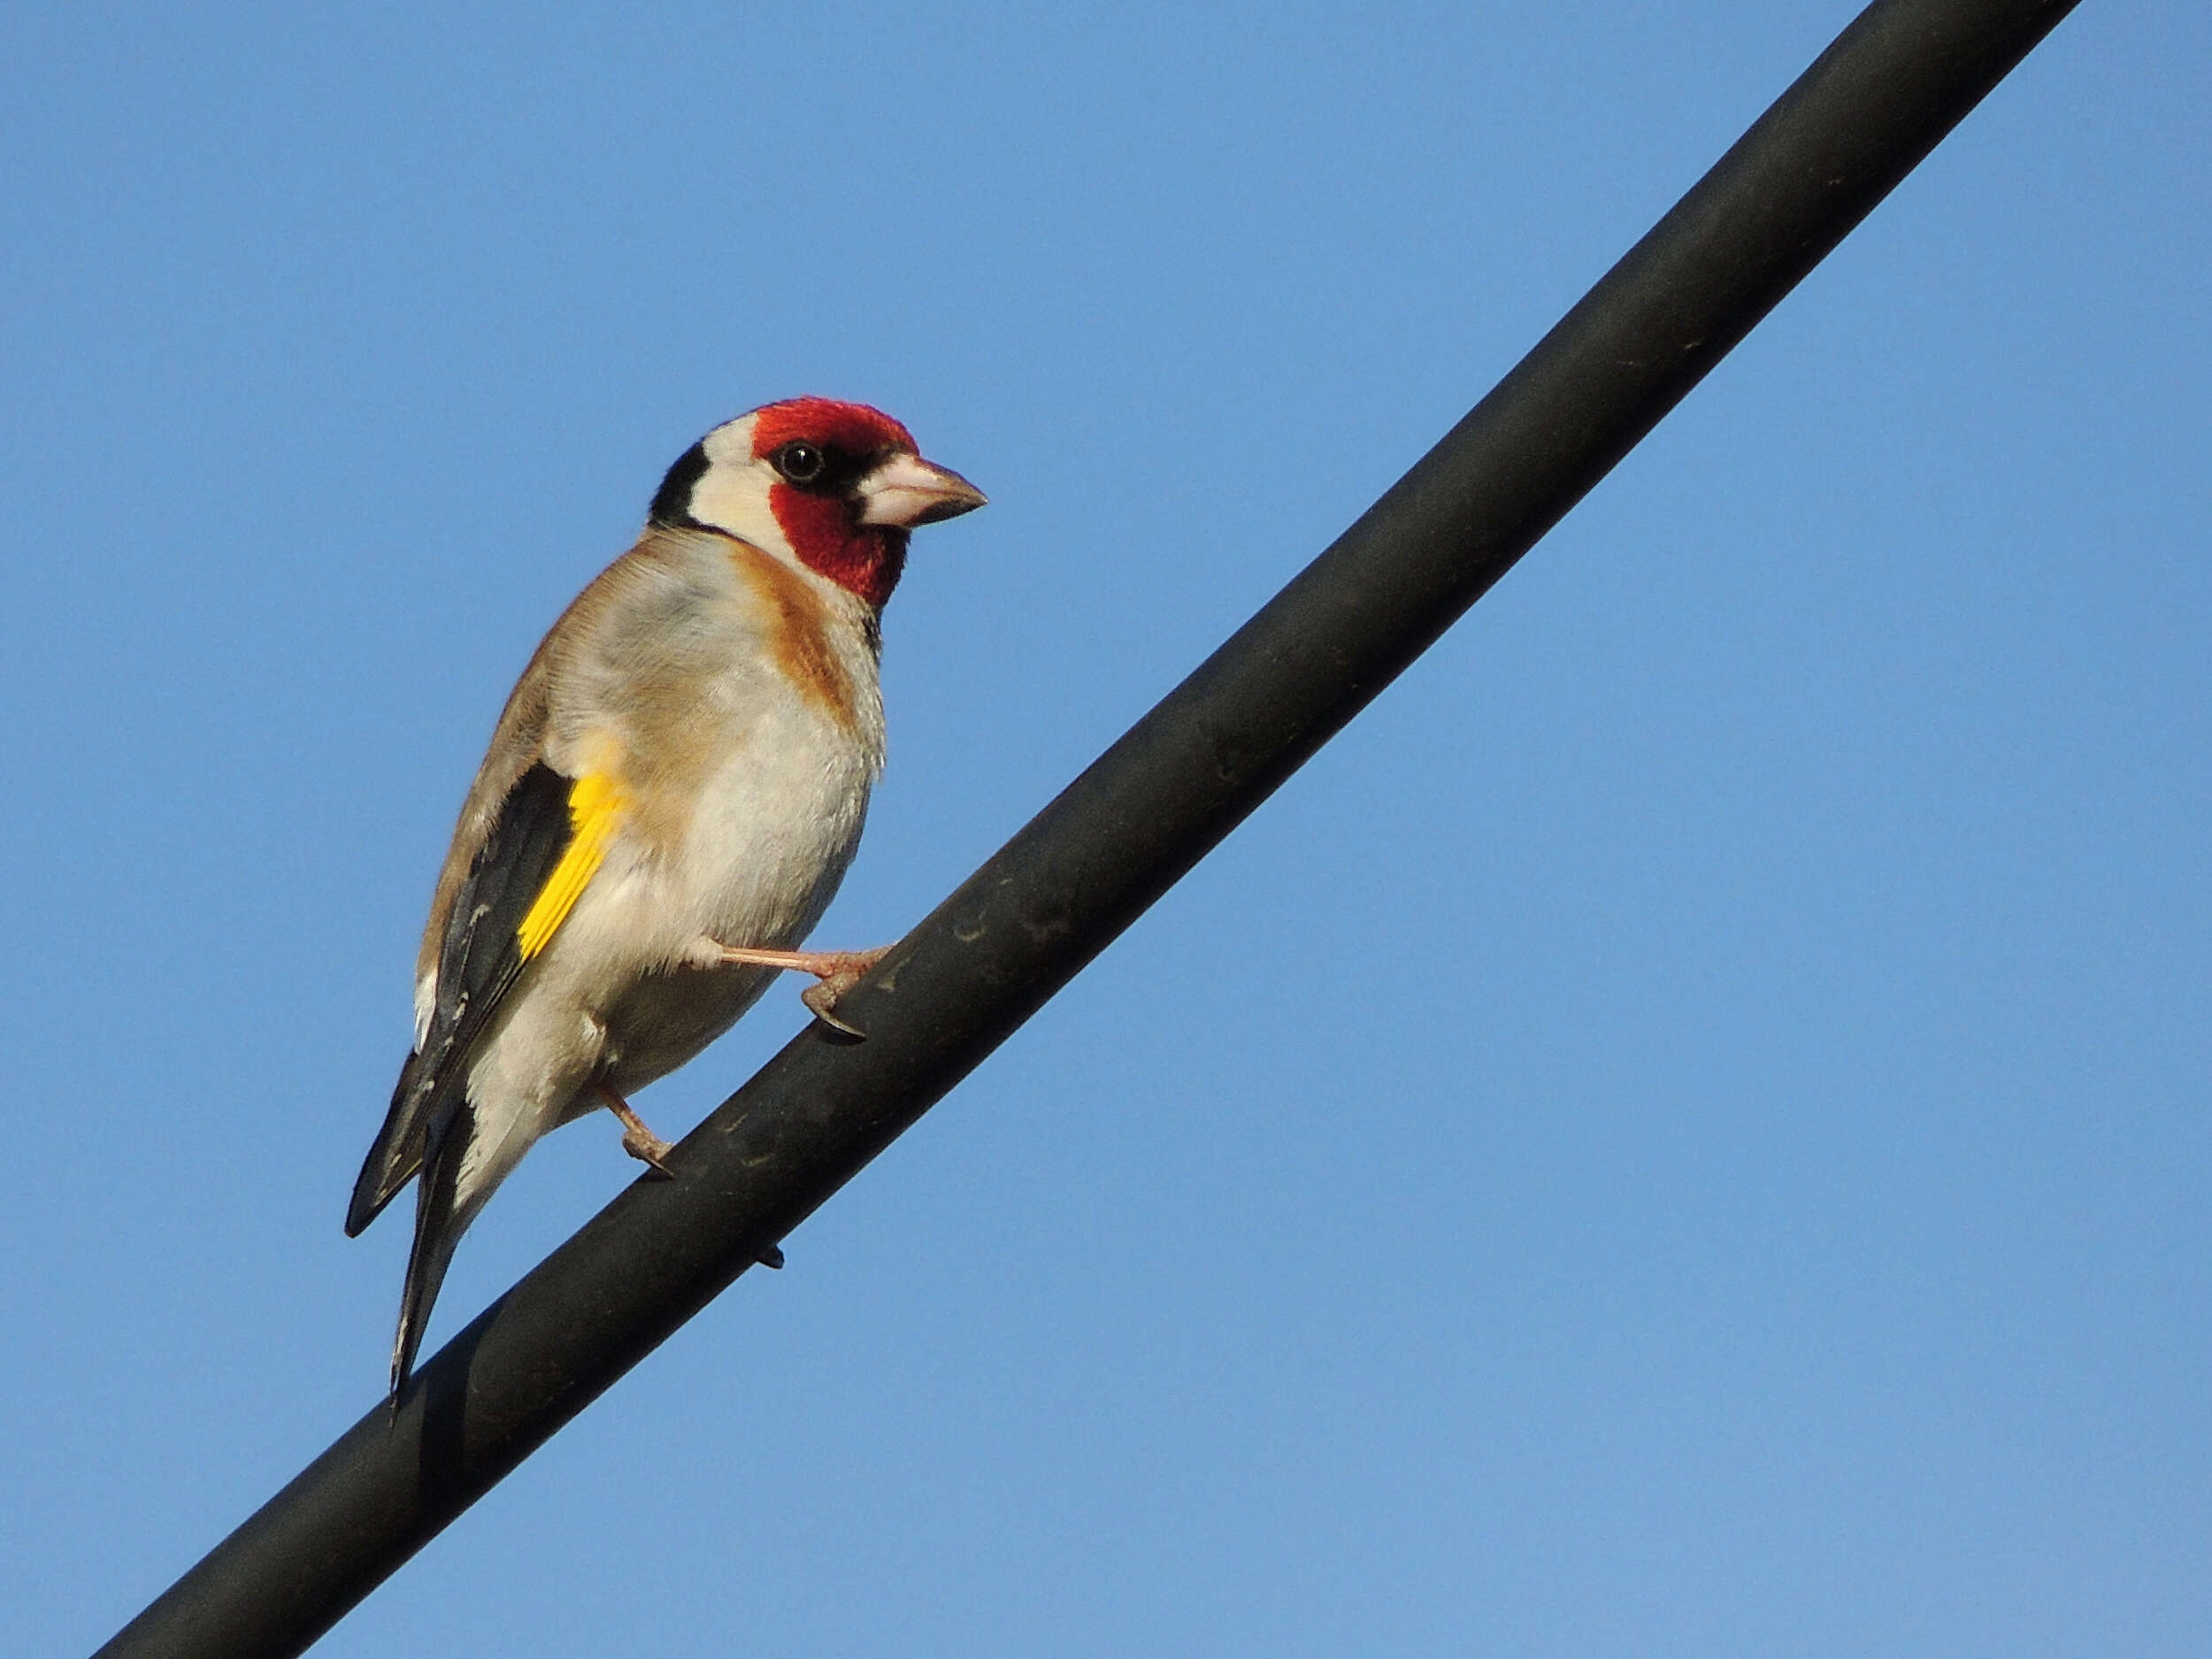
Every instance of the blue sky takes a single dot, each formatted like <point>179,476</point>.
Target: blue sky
<point>1683,1130</point>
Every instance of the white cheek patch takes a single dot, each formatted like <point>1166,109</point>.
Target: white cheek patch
<point>732,495</point>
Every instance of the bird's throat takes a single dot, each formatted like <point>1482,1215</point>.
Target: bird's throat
<point>864,559</point>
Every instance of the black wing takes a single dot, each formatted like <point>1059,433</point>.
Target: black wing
<point>477,965</point>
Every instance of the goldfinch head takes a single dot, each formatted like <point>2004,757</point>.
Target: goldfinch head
<point>835,487</point>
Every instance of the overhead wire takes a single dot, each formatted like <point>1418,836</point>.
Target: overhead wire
<point>1882,96</point>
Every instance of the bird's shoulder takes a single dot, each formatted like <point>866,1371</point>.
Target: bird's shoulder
<point>539,715</point>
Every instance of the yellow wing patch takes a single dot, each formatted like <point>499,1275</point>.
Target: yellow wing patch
<point>596,806</point>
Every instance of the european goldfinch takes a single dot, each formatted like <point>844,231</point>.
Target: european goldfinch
<point>671,798</point>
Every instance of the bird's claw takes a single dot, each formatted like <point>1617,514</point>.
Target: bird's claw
<point>835,973</point>
<point>821,998</point>
<point>648,1147</point>
<point>639,1141</point>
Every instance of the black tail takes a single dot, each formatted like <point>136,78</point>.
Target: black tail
<point>397,1153</point>
<point>438,1228</point>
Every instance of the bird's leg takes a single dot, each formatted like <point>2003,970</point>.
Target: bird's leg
<point>639,1141</point>
<point>835,972</point>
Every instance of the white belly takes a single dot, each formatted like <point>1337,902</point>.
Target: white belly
<point>769,842</point>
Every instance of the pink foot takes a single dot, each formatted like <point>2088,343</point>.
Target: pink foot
<point>835,972</point>
<point>639,1141</point>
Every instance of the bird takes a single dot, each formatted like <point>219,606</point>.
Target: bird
<point>671,795</point>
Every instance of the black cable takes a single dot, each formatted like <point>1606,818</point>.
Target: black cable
<point>1883,96</point>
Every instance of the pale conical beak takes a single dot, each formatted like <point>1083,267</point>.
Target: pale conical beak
<point>906,491</point>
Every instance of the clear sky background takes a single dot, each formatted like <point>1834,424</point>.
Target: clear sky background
<point>1683,1132</point>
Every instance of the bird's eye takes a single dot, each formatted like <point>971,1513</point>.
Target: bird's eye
<point>802,462</point>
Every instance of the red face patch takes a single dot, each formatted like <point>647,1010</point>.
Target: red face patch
<point>866,559</point>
